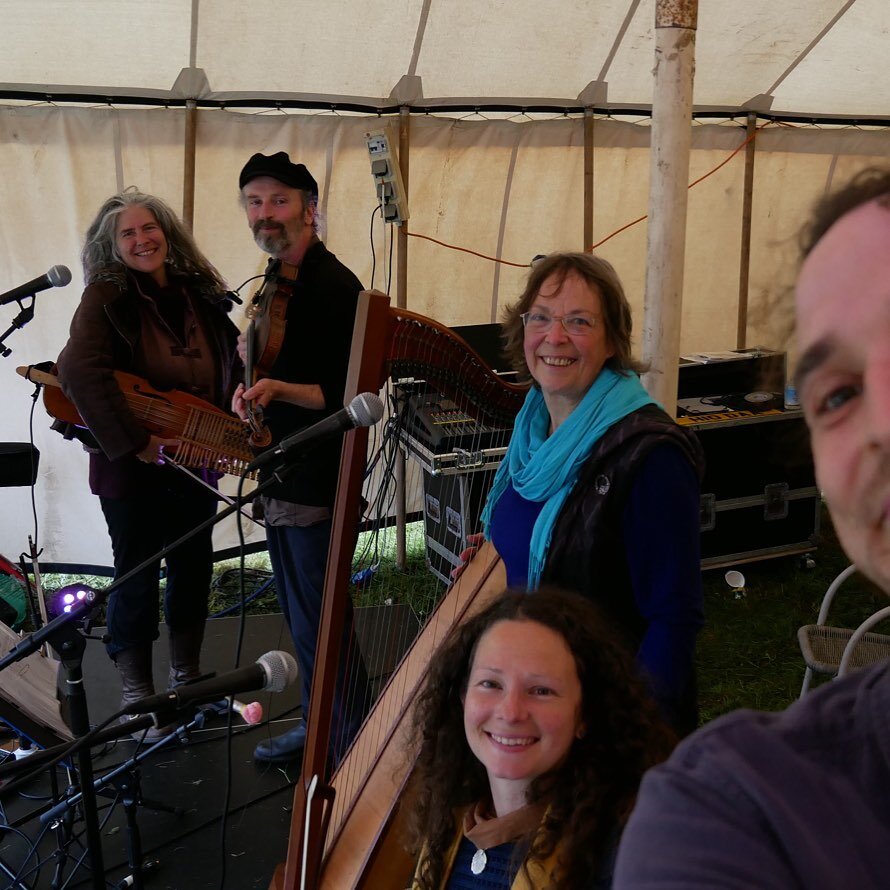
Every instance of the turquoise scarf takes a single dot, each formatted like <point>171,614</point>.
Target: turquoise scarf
<point>545,468</point>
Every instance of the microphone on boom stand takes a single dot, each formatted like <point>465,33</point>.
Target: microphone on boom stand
<point>364,410</point>
<point>272,672</point>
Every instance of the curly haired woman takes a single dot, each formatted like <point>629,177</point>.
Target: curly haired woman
<point>533,732</point>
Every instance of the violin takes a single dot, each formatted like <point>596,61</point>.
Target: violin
<point>267,312</point>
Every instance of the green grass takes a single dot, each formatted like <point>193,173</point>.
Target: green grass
<point>413,585</point>
<point>748,656</point>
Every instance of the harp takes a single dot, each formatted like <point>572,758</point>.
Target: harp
<point>342,831</point>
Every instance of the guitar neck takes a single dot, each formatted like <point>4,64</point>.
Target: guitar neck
<point>35,375</point>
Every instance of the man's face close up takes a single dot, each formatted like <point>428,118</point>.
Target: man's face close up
<point>843,374</point>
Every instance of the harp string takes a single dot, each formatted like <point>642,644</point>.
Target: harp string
<point>474,411</point>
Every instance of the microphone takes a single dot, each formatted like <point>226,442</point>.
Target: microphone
<point>58,276</point>
<point>271,672</point>
<point>364,410</point>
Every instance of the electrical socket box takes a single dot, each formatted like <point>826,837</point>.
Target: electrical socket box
<point>387,177</point>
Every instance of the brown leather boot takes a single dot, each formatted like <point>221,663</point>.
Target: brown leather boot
<point>185,654</point>
<point>134,666</point>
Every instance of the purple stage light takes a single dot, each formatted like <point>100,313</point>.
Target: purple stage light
<point>66,598</point>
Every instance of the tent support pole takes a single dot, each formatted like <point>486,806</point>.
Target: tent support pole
<point>741,340</point>
<point>588,177</point>
<point>188,167</point>
<point>675,24</point>
<point>401,467</point>
<point>404,153</point>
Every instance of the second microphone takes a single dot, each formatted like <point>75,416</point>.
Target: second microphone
<point>364,410</point>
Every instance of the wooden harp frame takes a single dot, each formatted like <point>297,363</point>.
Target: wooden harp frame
<point>382,337</point>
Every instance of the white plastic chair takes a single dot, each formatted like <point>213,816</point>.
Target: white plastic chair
<point>838,650</point>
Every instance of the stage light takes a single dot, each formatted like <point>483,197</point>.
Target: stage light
<point>66,598</point>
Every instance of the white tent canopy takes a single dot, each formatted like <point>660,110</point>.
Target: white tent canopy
<point>93,98</point>
<point>804,57</point>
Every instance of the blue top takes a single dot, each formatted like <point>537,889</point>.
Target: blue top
<point>511,529</point>
<point>500,869</point>
<point>502,865</point>
<point>660,529</point>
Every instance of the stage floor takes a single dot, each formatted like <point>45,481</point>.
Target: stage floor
<point>191,776</point>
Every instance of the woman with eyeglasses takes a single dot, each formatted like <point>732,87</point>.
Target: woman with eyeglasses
<point>599,489</point>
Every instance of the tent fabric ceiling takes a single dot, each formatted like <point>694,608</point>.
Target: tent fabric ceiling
<point>798,57</point>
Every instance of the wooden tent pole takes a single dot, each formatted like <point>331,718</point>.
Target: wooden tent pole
<point>188,170</point>
<point>401,466</point>
<point>588,178</point>
<point>675,23</point>
<point>404,153</point>
<point>745,255</point>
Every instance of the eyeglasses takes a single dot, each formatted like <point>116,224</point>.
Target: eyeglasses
<point>574,325</point>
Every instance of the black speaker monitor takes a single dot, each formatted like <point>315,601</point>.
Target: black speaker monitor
<point>18,464</point>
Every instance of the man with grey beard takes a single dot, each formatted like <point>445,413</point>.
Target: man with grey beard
<point>801,799</point>
<point>305,384</point>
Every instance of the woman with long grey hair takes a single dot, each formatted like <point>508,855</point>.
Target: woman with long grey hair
<point>155,307</point>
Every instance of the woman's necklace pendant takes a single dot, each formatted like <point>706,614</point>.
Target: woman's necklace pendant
<point>479,861</point>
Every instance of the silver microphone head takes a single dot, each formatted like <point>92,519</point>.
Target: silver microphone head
<point>280,669</point>
<point>365,409</point>
<point>59,276</point>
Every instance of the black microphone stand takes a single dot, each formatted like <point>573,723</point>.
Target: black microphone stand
<point>69,644</point>
<point>125,779</point>
<point>62,634</point>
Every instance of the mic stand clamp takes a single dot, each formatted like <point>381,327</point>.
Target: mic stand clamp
<point>26,315</point>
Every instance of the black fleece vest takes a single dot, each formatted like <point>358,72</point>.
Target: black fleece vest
<point>587,549</point>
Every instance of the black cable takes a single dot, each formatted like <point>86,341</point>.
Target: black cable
<point>247,281</point>
<point>371,512</point>
<point>373,252</point>
<point>33,485</point>
<point>381,456</point>
<point>387,494</point>
<point>31,848</point>
<point>386,483</point>
<point>75,838</point>
<point>239,643</point>
<point>386,455</point>
<point>33,616</point>
<point>389,273</point>
<point>18,878</point>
